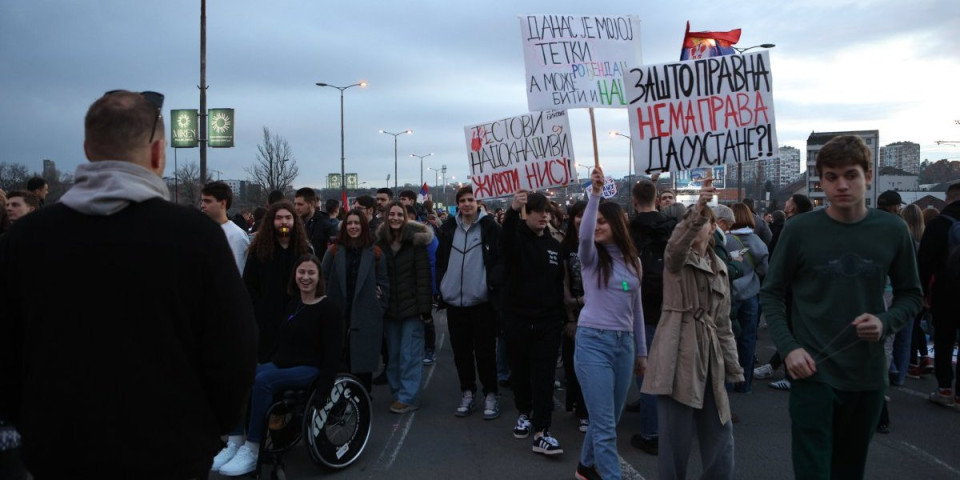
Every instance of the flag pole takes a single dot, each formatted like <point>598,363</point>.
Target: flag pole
<point>593,129</point>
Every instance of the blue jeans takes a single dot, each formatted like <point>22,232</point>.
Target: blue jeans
<point>901,355</point>
<point>404,358</point>
<point>604,363</point>
<point>270,380</point>
<point>648,403</point>
<point>746,313</point>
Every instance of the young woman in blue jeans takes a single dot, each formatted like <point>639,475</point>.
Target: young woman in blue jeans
<point>309,348</point>
<point>610,344</point>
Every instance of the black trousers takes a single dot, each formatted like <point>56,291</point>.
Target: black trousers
<point>473,337</point>
<point>532,345</point>
<point>946,324</point>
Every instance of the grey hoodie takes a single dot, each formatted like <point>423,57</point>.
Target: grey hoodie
<point>754,262</point>
<point>107,186</point>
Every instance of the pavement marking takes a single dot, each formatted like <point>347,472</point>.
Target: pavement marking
<point>627,472</point>
<point>927,456</point>
<point>912,392</point>
<point>392,448</point>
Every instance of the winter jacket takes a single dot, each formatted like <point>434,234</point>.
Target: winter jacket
<point>267,282</point>
<point>694,332</point>
<point>651,231</point>
<point>933,266</point>
<point>408,270</point>
<point>365,325</point>
<point>146,332</point>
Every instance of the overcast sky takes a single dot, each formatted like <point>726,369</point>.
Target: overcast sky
<point>436,66</point>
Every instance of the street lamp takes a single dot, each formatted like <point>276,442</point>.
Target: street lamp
<point>436,177</point>
<point>343,184</point>
<point>395,135</point>
<point>614,133</point>
<point>763,45</point>
<point>421,157</point>
<point>587,167</point>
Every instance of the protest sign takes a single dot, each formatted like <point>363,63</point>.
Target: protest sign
<point>693,179</point>
<point>578,61</point>
<point>702,113</point>
<point>528,152</point>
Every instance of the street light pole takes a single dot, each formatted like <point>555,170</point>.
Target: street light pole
<point>436,177</point>
<point>614,133</point>
<point>395,135</point>
<point>421,157</point>
<point>343,185</point>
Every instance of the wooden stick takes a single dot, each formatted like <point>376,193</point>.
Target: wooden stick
<point>593,128</point>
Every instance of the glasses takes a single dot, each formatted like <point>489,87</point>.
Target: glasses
<point>155,99</point>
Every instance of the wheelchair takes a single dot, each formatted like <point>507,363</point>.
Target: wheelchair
<point>336,425</point>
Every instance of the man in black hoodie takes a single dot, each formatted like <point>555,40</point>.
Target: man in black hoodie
<point>650,230</point>
<point>533,316</point>
<point>146,332</point>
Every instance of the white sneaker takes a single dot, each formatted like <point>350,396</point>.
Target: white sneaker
<point>491,406</point>
<point>763,371</point>
<point>583,425</point>
<point>224,456</point>
<point>466,404</point>
<point>244,462</point>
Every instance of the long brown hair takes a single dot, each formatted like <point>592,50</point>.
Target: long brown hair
<point>386,220</point>
<point>613,215</point>
<point>265,241</point>
<point>365,239</point>
<point>913,217</point>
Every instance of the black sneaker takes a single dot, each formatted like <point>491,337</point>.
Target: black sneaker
<point>522,430</point>
<point>649,445</point>
<point>586,473</point>
<point>547,445</point>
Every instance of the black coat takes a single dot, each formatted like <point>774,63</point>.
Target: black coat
<point>126,345</point>
<point>267,282</point>
<point>411,291</point>
<point>932,263</point>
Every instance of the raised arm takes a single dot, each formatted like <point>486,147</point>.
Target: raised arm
<point>588,224</point>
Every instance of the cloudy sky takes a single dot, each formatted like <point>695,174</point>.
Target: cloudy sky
<point>434,66</point>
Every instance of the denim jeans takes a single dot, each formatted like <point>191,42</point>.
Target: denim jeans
<point>746,314</point>
<point>503,364</point>
<point>404,358</point>
<point>648,403</point>
<point>271,379</point>
<point>901,355</point>
<point>604,363</point>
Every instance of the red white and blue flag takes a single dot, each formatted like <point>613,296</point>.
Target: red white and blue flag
<point>424,193</point>
<point>698,45</point>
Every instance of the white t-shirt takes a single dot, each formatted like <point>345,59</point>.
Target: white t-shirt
<point>239,241</point>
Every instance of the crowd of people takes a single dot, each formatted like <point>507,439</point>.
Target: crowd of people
<point>207,321</point>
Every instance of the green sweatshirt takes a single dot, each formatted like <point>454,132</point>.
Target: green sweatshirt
<point>838,271</point>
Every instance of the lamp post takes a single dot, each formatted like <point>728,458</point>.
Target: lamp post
<point>421,157</point>
<point>343,186</point>
<point>395,135</point>
<point>614,133</point>
<point>762,45</point>
<point>436,177</point>
<point>587,168</point>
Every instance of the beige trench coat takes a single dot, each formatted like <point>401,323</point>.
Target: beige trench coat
<point>694,332</point>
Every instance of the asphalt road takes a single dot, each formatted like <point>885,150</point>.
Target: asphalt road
<point>432,443</point>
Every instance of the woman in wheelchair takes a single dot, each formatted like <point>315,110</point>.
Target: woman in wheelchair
<point>309,348</point>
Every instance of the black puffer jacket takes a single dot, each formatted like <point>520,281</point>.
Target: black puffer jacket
<point>409,270</point>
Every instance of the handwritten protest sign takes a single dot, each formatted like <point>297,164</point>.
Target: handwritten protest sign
<point>528,152</point>
<point>578,61</point>
<point>702,113</point>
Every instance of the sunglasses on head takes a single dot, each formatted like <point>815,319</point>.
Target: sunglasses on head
<point>155,99</point>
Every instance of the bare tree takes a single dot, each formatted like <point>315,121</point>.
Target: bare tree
<point>189,184</point>
<point>275,168</point>
<point>13,176</point>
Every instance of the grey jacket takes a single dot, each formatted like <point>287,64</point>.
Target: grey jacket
<point>754,262</point>
<point>465,282</point>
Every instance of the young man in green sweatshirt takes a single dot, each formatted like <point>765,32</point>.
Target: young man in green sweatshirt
<point>837,261</point>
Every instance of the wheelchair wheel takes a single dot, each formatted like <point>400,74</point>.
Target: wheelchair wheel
<point>337,425</point>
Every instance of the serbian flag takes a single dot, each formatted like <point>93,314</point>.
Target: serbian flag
<point>697,45</point>
<point>424,193</point>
